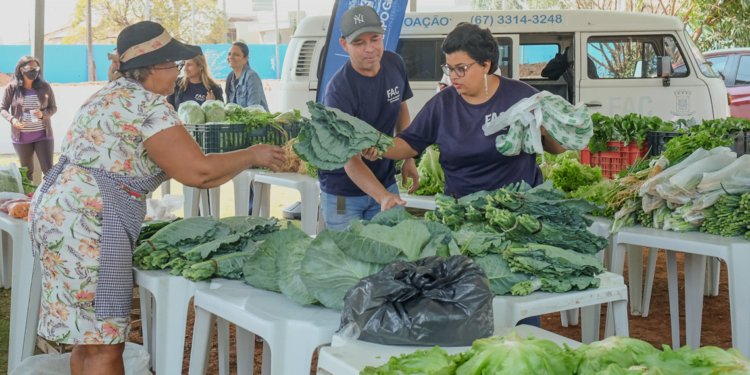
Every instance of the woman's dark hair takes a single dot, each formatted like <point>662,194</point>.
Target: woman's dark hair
<point>478,43</point>
<point>37,83</point>
<point>243,48</point>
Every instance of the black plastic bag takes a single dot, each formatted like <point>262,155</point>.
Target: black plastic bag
<point>433,301</point>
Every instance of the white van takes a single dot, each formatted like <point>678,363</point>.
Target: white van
<point>616,59</point>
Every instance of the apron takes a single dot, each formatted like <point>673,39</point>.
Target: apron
<point>123,211</point>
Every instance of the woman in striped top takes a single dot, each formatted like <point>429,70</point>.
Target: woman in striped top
<point>28,104</point>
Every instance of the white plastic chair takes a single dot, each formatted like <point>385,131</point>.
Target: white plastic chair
<point>290,332</point>
<point>197,200</point>
<point>309,189</point>
<point>26,281</point>
<point>242,183</point>
<point>163,325</point>
<point>696,246</point>
<point>350,357</point>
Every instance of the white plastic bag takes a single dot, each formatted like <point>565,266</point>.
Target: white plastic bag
<point>649,187</point>
<point>568,125</point>
<point>162,209</point>
<point>135,358</point>
<point>734,178</point>
<point>688,179</point>
<point>10,179</point>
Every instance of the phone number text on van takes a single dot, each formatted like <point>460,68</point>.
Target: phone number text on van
<point>537,19</point>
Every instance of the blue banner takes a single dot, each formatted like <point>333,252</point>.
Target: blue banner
<point>391,15</point>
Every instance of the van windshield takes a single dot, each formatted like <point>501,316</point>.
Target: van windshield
<point>703,64</point>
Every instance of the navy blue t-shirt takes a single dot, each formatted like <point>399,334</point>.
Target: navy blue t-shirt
<point>470,159</point>
<point>374,100</point>
<point>195,92</point>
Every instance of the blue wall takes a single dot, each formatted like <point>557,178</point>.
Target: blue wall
<point>67,63</point>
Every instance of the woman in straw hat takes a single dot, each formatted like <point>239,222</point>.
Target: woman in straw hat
<point>124,142</point>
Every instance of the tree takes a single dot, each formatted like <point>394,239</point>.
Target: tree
<point>712,24</point>
<point>111,16</point>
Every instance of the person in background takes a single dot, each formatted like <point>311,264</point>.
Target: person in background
<point>244,86</point>
<point>28,104</point>
<point>196,84</point>
<point>453,120</point>
<point>373,87</point>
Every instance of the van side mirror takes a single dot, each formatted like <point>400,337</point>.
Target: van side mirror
<point>664,69</point>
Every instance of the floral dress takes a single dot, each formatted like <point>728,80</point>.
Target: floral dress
<point>108,134</point>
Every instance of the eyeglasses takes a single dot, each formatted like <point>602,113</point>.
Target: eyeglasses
<point>178,65</point>
<point>460,70</point>
<point>30,68</point>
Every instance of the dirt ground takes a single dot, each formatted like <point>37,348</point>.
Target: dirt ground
<point>655,328</point>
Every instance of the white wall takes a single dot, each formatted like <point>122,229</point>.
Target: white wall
<point>70,98</point>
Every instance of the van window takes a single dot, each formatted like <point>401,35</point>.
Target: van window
<point>743,72</point>
<point>423,58</point>
<point>622,57</point>
<point>699,58</point>
<point>534,58</point>
<point>506,56</point>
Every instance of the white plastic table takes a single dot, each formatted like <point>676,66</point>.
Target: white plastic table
<point>350,357</point>
<point>509,310</point>
<point>163,325</point>
<point>697,246</point>
<point>290,332</point>
<point>26,292</point>
<point>424,202</point>
<point>308,187</point>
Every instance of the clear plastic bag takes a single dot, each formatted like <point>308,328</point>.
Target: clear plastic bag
<point>10,179</point>
<point>164,208</point>
<point>135,358</point>
<point>689,178</point>
<point>651,202</point>
<point>649,187</point>
<point>734,178</point>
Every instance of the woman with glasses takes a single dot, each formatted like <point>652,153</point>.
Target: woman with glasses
<point>28,105</point>
<point>196,84</point>
<point>453,120</point>
<point>123,143</point>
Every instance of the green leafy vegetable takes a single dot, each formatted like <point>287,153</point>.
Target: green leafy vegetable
<point>502,278</point>
<point>288,265</point>
<point>569,175</point>
<point>331,137</point>
<point>433,361</point>
<point>11,180</point>
<point>228,266</point>
<point>431,176</point>
<point>619,350</point>
<point>260,271</point>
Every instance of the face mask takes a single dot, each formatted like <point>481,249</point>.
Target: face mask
<point>31,75</point>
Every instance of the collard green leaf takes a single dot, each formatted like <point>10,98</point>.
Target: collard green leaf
<point>502,279</point>
<point>249,225</point>
<point>391,218</point>
<point>288,265</point>
<point>329,273</point>
<point>260,269</point>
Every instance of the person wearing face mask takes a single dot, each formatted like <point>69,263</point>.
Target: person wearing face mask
<point>373,87</point>
<point>196,84</point>
<point>28,105</point>
<point>123,143</point>
<point>244,86</point>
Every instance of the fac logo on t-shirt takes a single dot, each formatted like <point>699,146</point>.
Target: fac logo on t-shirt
<point>394,95</point>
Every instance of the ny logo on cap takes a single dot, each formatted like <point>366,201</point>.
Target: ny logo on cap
<point>359,19</point>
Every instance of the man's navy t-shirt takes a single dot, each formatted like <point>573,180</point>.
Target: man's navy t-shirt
<point>196,92</point>
<point>470,159</point>
<point>374,100</point>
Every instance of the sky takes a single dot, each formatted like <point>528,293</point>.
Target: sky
<point>15,29</point>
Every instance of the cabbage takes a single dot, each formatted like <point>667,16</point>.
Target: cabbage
<point>214,111</point>
<point>255,108</point>
<point>289,117</point>
<point>190,112</point>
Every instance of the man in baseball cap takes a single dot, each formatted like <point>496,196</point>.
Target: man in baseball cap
<point>373,87</point>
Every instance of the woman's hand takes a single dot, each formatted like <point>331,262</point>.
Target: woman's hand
<point>18,124</point>
<point>409,170</point>
<point>37,113</point>
<point>370,154</point>
<point>210,95</point>
<point>268,156</point>
<point>390,200</point>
